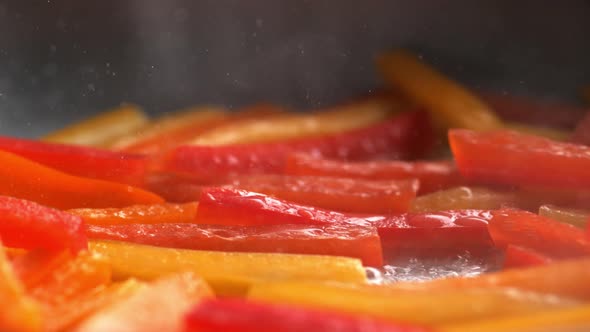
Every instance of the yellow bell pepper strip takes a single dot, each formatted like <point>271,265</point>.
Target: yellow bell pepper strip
<point>577,318</point>
<point>229,273</point>
<point>140,214</point>
<point>102,128</point>
<point>459,198</point>
<point>171,130</point>
<point>551,133</point>
<point>67,315</point>
<point>451,105</point>
<point>160,306</point>
<point>421,307</point>
<point>564,278</point>
<point>575,217</point>
<point>19,313</point>
<point>281,127</point>
<point>25,179</point>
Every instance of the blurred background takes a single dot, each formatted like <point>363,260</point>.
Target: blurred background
<point>62,60</point>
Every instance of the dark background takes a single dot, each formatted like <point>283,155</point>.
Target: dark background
<point>62,60</point>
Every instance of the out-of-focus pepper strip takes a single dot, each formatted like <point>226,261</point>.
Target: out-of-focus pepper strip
<point>32,267</point>
<point>140,214</point>
<point>67,315</point>
<point>281,127</point>
<point>563,278</point>
<point>334,240</point>
<point>459,198</point>
<point>581,134</point>
<point>158,306</point>
<point>518,257</point>
<point>421,307</point>
<point>242,315</point>
<point>403,136</point>
<point>575,217</point>
<point>80,160</point>
<point>551,133</point>
<point>569,319</point>
<point>19,313</point>
<point>585,93</point>
<point>102,128</point>
<point>170,130</point>
<point>229,273</point>
<point>451,105</point>
<point>25,179</point>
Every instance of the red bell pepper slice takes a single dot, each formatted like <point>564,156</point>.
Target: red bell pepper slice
<point>507,157</point>
<point>78,160</point>
<point>340,194</point>
<point>29,225</point>
<point>534,112</point>
<point>446,231</point>
<point>433,175</point>
<point>548,237</point>
<point>518,257</point>
<point>333,240</point>
<point>212,315</point>
<point>403,136</point>
<point>582,133</point>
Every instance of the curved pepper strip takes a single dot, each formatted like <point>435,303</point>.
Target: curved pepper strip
<point>140,214</point>
<point>403,136</point>
<point>332,240</point>
<point>25,179</point>
<point>450,104</point>
<point>80,161</point>
<point>506,157</point>
<point>19,313</point>
<point>102,128</point>
<point>28,225</point>
<point>241,315</point>
<point>433,175</point>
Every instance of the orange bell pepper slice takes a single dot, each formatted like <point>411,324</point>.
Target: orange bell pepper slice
<point>140,214</point>
<point>160,306</point>
<point>32,267</point>
<point>575,217</point>
<point>102,128</point>
<point>451,105</point>
<point>431,307</point>
<point>25,179</point>
<point>564,278</point>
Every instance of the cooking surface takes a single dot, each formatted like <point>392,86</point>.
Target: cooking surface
<point>71,59</point>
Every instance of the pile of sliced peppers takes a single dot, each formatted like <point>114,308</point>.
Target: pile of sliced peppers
<point>265,219</point>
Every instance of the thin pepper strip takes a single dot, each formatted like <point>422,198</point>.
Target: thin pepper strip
<point>140,214</point>
<point>241,315</point>
<point>506,157</point>
<point>405,135</point>
<point>99,130</point>
<point>28,225</point>
<point>334,240</point>
<point>79,160</point>
<point>25,179</point>
<point>228,273</point>
<point>433,175</point>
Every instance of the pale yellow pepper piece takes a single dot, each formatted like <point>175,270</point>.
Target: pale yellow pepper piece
<point>464,198</point>
<point>289,126</point>
<point>578,218</point>
<point>158,306</point>
<point>18,312</point>
<point>229,273</point>
<point>423,307</point>
<point>101,129</point>
<point>450,104</point>
<point>563,320</point>
<point>554,134</point>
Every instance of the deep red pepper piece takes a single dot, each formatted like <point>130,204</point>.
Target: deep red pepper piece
<point>78,160</point>
<point>406,135</point>
<point>334,240</point>
<point>507,157</point>
<point>441,231</point>
<point>28,225</point>
<point>433,175</point>
<point>517,257</point>
<point>212,315</point>
<point>548,237</point>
